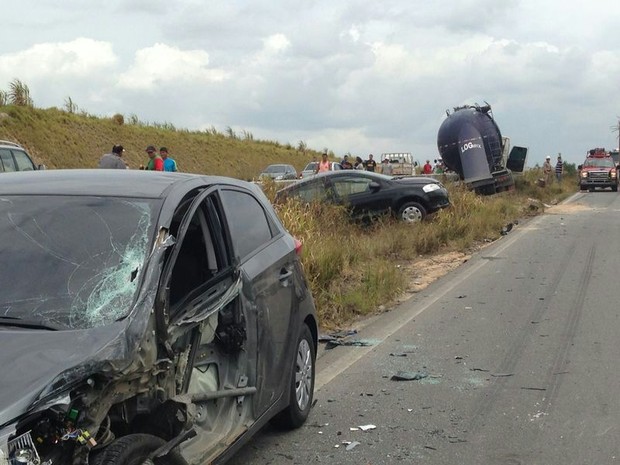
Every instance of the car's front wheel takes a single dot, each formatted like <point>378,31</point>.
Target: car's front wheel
<point>411,212</point>
<point>301,389</point>
<point>134,449</point>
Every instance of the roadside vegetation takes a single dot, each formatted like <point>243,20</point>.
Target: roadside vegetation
<point>353,270</point>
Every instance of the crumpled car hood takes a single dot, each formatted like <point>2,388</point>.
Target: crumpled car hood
<point>31,360</point>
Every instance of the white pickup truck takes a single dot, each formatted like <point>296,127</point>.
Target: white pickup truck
<point>402,163</point>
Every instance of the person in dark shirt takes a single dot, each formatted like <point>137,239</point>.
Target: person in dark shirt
<point>559,169</point>
<point>346,164</point>
<point>370,164</point>
<point>113,160</point>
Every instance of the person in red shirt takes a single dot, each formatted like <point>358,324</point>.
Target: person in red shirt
<point>155,163</point>
<point>428,168</point>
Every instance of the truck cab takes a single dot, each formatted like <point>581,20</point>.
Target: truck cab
<point>598,170</point>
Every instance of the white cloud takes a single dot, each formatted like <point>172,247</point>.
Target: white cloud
<point>78,58</point>
<point>162,64</point>
<point>356,76</point>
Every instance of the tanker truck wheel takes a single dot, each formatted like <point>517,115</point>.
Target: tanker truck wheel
<point>411,212</point>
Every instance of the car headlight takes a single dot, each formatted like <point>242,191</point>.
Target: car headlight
<point>18,450</point>
<point>431,187</point>
<point>584,174</point>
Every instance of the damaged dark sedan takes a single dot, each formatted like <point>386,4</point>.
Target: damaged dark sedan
<point>147,318</point>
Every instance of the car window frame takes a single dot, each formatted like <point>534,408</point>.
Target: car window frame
<point>275,231</point>
<point>319,181</point>
<point>25,157</point>
<point>9,154</point>
<point>353,176</point>
<point>169,265</point>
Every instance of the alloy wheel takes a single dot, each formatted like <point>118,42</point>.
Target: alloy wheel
<point>303,374</point>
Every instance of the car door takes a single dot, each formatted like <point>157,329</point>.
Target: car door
<point>267,260</point>
<point>516,159</point>
<point>211,327</point>
<point>364,194</point>
<point>314,190</point>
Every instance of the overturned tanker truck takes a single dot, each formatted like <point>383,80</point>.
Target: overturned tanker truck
<point>471,144</point>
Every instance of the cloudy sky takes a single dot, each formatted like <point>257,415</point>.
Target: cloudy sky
<point>351,76</point>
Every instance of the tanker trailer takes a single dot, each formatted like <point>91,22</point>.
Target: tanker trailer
<point>471,144</point>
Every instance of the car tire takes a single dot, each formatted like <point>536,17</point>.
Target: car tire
<point>591,189</point>
<point>134,449</point>
<point>411,212</point>
<point>301,389</point>
<point>614,188</point>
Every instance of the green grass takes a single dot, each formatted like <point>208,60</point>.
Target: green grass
<point>60,139</point>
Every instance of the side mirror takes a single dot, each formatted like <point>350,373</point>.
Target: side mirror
<point>41,167</point>
<point>581,166</point>
<point>374,186</point>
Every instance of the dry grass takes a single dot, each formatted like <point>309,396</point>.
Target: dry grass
<point>352,269</point>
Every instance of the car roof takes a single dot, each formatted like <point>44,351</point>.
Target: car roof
<point>102,182</point>
<point>8,143</point>
<point>280,165</point>
<point>337,174</point>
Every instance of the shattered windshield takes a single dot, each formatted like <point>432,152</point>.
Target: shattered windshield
<point>73,262</point>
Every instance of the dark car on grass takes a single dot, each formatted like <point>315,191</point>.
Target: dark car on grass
<point>369,194</point>
<point>147,316</point>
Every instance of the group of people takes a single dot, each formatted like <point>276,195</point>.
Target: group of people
<point>437,168</point>
<point>161,161</point>
<point>549,169</point>
<point>359,164</point>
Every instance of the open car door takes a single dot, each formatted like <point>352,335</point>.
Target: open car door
<point>516,159</point>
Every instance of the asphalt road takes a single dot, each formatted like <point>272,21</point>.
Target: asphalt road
<point>522,351</point>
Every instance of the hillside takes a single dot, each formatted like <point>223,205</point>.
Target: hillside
<point>60,139</point>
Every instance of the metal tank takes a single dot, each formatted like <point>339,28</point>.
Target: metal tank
<point>470,143</point>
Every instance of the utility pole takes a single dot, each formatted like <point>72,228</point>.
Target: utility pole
<point>617,129</point>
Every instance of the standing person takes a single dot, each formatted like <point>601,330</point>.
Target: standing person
<point>386,167</point>
<point>427,169</point>
<point>169,163</point>
<point>113,160</point>
<point>547,170</point>
<point>324,165</point>
<point>346,164</point>
<point>359,163</point>
<point>155,162</point>
<point>559,169</point>
<point>370,164</point>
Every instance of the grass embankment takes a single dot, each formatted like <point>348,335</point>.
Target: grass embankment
<point>353,269</point>
<point>60,139</point>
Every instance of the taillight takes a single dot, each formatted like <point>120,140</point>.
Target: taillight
<point>298,246</point>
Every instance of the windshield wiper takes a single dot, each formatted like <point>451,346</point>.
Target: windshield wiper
<point>30,324</point>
